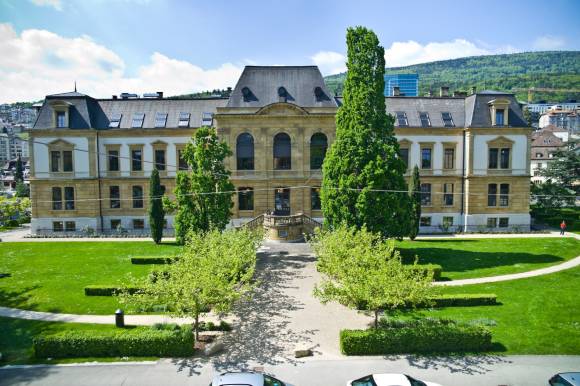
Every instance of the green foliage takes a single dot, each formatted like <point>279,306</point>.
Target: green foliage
<point>213,272</point>
<point>430,270</point>
<point>204,196</point>
<point>108,290</point>
<point>22,190</point>
<point>464,300</point>
<point>555,216</point>
<point>564,169</point>
<point>549,196</point>
<point>362,271</point>
<point>364,157</point>
<point>415,196</point>
<point>156,212</point>
<point>423,336</point>
<point>19,172</point>
<point>15,208</point>
<point>152,260</point>
<point>139,341</point>
<point>554,69</point>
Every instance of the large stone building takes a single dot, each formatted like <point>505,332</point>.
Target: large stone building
<point>92,157</point>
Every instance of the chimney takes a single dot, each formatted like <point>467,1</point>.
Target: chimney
<point>459,94</point>
<point>114,97</point>
<point>473,90</point>
<point>396,91</point>
<point>160,94</point>
<point>444,91</point>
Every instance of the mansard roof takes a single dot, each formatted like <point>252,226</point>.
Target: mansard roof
<point>477,112</point>
<point>433,106</point>
<point>260,86</point>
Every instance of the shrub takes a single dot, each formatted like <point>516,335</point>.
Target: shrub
<point>427,268</point>
<point>151,260</point>
<point>464,300</point>
<point>140,341</point>
<point>107,290</point>
<point>422,337</point>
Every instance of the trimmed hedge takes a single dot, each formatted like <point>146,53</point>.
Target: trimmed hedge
<point>107,290</point>
<point>151,260</point>
<point>139,341</point>
<point>420,338</point>
<point>427,268</point>
<point>464,300</point>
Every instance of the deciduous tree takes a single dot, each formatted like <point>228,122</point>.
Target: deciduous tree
<point>156,211</point>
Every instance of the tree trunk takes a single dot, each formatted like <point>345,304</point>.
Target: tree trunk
<point>376,319</point>
<point>196,327</point>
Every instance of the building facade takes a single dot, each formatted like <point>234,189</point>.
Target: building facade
<point>402,84</point>
<point>91,158</point>
<point>562,118</point>
<point>545,143</point>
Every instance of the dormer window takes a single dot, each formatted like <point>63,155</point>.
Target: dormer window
<point>115,121</point>
<point>160,119</point>
<point>319,94</point>
<point>425,121</point>
<point>282,94</point>
<point>137,121</point>
<point>499,117</point>
<point>246,94</point>
<point>206,119</point>
<point>61,119</point>
<point>183,120</point>
<point>447,119</point>
<point>402,118</point>
<point>499,109</point>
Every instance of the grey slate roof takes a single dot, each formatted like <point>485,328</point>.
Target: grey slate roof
<point>264,82</point>
<point>79,111</point>
<point>477,110</point>
<point>433,106</point>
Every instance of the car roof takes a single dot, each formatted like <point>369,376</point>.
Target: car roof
<point>391,380</point>
<point>572,377</point>
<point>242,379</point>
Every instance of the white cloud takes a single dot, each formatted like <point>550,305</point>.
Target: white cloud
<point>38,62</point>
<point>549,43</point>
<point>329,62</point>
<point>56,4</point>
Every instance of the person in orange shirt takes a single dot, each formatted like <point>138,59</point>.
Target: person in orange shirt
<point>562,227</point>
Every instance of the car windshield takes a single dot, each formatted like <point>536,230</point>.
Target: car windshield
<point>415,382</point>
<point>364,381</point>
<point>270,381</point>
<point>557,380</point>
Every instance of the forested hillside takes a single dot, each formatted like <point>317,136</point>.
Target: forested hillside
<point>558,70</point>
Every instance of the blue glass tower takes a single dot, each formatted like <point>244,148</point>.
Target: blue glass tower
<point>408,84</point>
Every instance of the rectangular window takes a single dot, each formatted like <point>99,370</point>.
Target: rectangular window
<point>402,118</point>
<point>425,221</point>
<point>449,158</point>
<point>426,158</point>
<point>183,120</point>
<point>136,160</point>
<point>425,194</point>
<point>404,154</point>
<point>182,162</point>
<point>60,119</point>
<point>425,121</point>
<point>499,117</point>
<point>137,121</point>
<point>504,222</point>
<point>504,191</point>
<point>246,199</point>
<point>115,121</point>
<point>57,226</point>
<point>504,158</point>
<point>206,119</point>
<point>492,195</point>
<point>492,222</point>
<point>69,198</point>
<point>447,222</point>
<point>492,161</point>
<point>160,119</point>
<point>160,159</point>
<point>67,161</point>
<point>56,198</point>
<point>115,197</point>
<point>113,156</point>
<point>137,197</point>
<point>447,119</point>
<point>115,224</point>
<point>315,203</point>
<point>55,161</point>
<point>70,226</point>
<point>448,194</point>
<point>138,223</point>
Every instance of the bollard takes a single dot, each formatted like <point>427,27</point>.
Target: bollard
<point>119,318</point>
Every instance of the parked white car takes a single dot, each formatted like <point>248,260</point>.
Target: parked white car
<point>389,380</point>
<point>246,379</point>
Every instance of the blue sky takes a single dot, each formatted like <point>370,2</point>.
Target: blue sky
<point>184,46</point>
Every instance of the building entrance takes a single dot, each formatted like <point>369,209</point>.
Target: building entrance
<point>282,202</point>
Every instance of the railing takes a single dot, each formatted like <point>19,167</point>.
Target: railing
<point>254,223</point>
<point>310,224</point>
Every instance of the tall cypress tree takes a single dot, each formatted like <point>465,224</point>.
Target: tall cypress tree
<point>19,172</point>
<point>363,180</point>
<point>156,212</point>
<point>415,195</point>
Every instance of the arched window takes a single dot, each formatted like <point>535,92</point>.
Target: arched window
<point>282,152</point>
<point>245,151</point>
<point>318,146</point>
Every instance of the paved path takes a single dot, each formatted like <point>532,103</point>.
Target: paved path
<point>490,370</point>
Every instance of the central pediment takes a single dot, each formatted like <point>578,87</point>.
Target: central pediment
<point>281,108</point>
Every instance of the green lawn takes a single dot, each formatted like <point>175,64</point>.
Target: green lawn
<point>538,315</point>
<point>16,340</point>
<point>51,276</point>
<point>469,258</point>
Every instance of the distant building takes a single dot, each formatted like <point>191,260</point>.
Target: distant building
<point>545,143</point>
<point>408,85</point>
<point>12,147</point>
<point>562,117</point>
